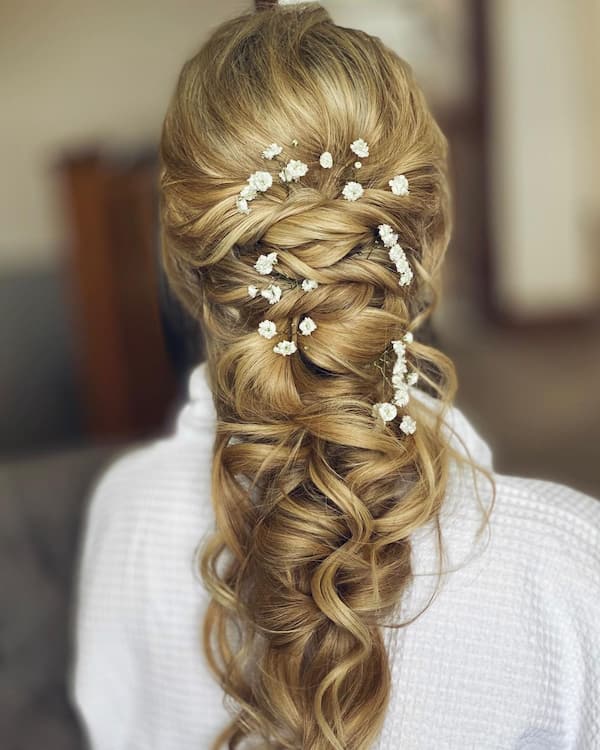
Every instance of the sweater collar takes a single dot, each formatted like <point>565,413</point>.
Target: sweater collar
<point>199,413</point>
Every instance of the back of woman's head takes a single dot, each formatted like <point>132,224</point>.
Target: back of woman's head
<point>314,493</point>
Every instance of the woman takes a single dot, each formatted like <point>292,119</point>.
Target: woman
<point>362,578</point>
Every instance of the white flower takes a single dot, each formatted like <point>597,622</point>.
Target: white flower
<point>242,205</point>
<point>360,147</point>
<point>387,235</point>
<point>309,284</point>
<point>408,337</point>
<point>326,160</point>
<point>408,425</point>
<point>398,380</point>
<point>252,290</point>
<point>267,329</point>
<point>396,253</point>
<point>399,185</point>
<point>384,410</point>
<point>248,192</point>
<point>357,165</point>
<point>272,293</point>
<point>307,326</point>
<point>352,191</point>
<point>272,150</point>
<point>260,180</point>
<point>399,347</point>
<point>401,396</point>
<point>406,277</point>
<point>293,170</point>
<point>264,264</point>
<point>399,366</point>
<point>285,348</point>
<point>412,378</point>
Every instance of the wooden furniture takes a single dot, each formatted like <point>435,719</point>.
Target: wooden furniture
<point>128,382</point>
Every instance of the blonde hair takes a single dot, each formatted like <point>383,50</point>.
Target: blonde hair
<point>314,500</point>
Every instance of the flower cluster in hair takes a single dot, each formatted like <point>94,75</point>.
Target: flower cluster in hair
<point>401,381</point>
<point>293,170</point>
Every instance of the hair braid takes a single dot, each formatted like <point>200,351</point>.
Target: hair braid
<point>314,501</point>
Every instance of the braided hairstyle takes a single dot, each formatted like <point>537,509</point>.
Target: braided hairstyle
<point>314,499</point>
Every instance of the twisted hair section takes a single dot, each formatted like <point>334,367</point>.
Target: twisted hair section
<point>314,500</point>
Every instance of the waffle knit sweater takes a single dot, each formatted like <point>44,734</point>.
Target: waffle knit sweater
<point>507,657</point>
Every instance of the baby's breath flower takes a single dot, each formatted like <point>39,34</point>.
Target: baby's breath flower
<point>352,191</point>
<point>307,326</point>
<point>309,284</point>
<point>357,165</point>
<point>408,337</point>
<point>396,253</point>
<point>387,235</point>
<point>406,276</point>
<point>264,264</point>
<point>401,396</point>
<point>399,185</point>
<point>272,293</point>
<point>385,410</point>
<point>248,192</point>
<point>408,425</point>
<point>260,180</point>
<point>399,347</point>
<point>252,290</point>
<point>242,205</point>
<point>272,150</point>
<point>293,170</point>
<point>285,348</point>
<point>412,378</point>
<point>360,147</point>
<point>326,160</point>
<point>267,328</point>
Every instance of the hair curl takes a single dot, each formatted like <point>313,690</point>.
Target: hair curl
<point>314,502</point>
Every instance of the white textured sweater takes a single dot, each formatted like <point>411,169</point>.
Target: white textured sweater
<point>507,656</point>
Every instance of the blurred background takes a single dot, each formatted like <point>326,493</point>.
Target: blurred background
<point>96,353</point>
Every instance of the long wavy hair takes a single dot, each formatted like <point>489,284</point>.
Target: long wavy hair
<point>314,500</point>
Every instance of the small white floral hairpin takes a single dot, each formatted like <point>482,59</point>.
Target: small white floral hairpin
<point>396,253</point>
<point>258,182</point>
<point>399,185</point>
<point>326,160</point>
<point>360,147</point>
<point>293,171</point>
<point>272,293</point>
<point>272,151</point>
<point>285,348</point>
<point>264,264</point>
<point>307,326</point>
<point>385,410</point>
<point>352,191</point>
<point>401,381</point>
<point>308,285</point>
<point>267,328</point>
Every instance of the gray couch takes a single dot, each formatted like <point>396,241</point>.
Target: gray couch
<point>42,505</point>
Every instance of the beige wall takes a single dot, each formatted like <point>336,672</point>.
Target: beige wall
<point>544,154</point>
<point>72,71</point>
